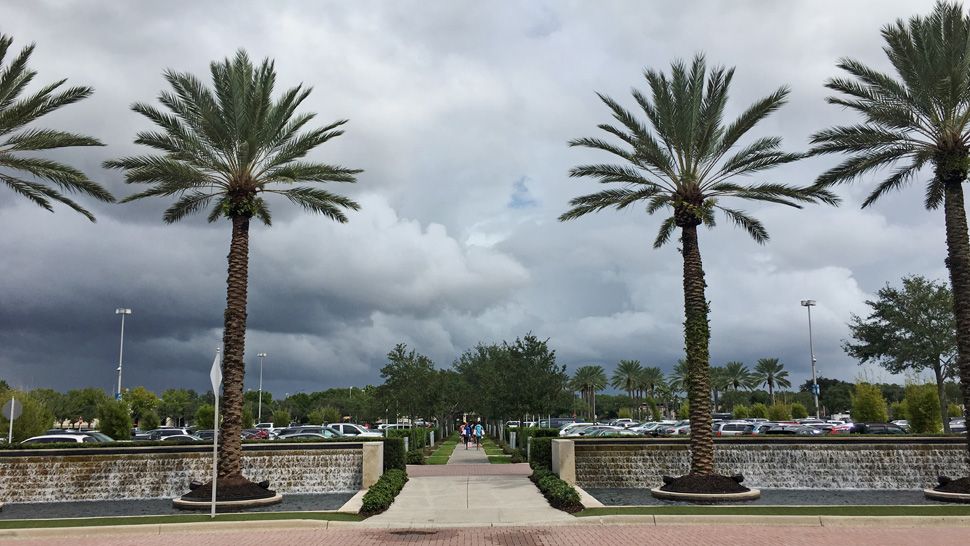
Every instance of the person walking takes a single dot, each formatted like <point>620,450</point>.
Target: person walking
<point>479,432</point>
<point>465,432</point>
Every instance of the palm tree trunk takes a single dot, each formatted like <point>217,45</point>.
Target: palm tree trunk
<point>958,262</point>
<point>696,338</point>
<point>234,348</point>
<point>941,393</point>
<point>771,391</point>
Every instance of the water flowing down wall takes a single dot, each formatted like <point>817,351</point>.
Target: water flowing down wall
<point>152,473</point>
<point>866,464</point>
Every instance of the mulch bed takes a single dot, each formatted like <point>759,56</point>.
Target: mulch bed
<point>961,485</point>
<point>704,483</point>
<point>230,489</point>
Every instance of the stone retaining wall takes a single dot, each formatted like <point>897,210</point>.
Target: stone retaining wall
<point>147,473</point>
<point>863,464</point>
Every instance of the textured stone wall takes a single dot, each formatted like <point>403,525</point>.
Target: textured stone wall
<point>49,478</point>
<point>787,466</point>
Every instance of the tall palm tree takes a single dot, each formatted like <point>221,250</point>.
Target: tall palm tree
<point>719,383</point>
<point>651,378</point>
<point>771,373</point>
<point>738,376</point>
<point>589,380</point>
<point>228,146</point>
<point>920,117</point>
<point>39,180</point>
<point>684,159</point>
<point>679,379</point>
<point>625,376</point>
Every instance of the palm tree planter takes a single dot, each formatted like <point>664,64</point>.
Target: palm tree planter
<point>684,160</point>
<point>922,118</point>
<point>227,147</point>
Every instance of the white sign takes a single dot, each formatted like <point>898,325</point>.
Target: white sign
<point>215,374</point>
<point>12,410</point>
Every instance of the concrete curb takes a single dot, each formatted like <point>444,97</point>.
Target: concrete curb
<point>354,504</point>
<point>588,500</point>
<point>185,504</point>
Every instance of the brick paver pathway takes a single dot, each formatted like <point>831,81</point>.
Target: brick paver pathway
<point>614,535</point>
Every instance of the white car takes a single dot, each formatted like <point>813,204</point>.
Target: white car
<point>350,429</point>
<point>60,439</point>
<point>573,427</point>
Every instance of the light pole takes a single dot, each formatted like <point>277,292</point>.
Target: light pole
<point>259,412</point>
<point>121,350</point>
<point>808,304</point>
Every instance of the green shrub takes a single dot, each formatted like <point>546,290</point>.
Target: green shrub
<point>779,412</point>
<point>394,457</point>
<point>281,418</point>
<point>560,494</point>
<point>654,411</point>
<point>741,412</point>
<point>541,452</point>
<point>683,412</point>
<point>380,495</point>
<point>415,457</point>
<point>758,411</point>
<point>868,405</point>
<point>798,411</point>
<point>150,421</point>
<point>114,419</point>
<point>624,413</point>
<point>923,409</point>
<point>954,410</point>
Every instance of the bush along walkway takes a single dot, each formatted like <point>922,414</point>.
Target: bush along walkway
<point>381,495</point>
<point>496,455</point>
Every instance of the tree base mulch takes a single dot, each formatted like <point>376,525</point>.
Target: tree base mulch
<point>230,489</point>
<point>947,485</point>
<point>704,484</point>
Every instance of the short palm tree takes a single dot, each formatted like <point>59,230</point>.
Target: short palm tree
<point>589,380</point>
<point>918,117</point>
<point>39,180</point>
<point>625,376</point>
<point>685,160</point>
<point>771,373</point>
<point>226,148</point>
<point>738,376</point>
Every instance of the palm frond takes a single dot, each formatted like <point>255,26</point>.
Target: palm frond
<point>754,228</point>
<point>319,201</point>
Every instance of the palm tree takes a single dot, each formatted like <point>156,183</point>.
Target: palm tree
<point>229,146</point>
<point>738,376</point>
<point>625,376</point>
<point>719,383</point>
<point>686,160</point>
<point>650,379</point>
<point>679,377</point>
<point>589,380</point>
<point>919,116</point>
<point>771,373</point>
<point>16,113</point>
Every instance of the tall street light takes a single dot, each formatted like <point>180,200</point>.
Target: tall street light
<point>121,350</point>
<point>808,304</point>
<point>259,412</point>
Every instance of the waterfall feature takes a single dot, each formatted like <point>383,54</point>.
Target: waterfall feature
<point>774,465</point>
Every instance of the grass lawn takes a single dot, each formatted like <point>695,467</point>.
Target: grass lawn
<point>500,459</point>
<point>844,510</point>
<point>154,520</point>
<point>444,451</point>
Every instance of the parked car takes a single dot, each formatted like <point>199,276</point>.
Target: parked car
<point>958,425</point>
<point>733,428</point>
<point>351,429</point>
<point>60,439</point>
<point>877,428</point>
<point>161,433</point>
<point>205,434</point>
<point>96,434</point>
<point>792,430</point>
<point>571,427</point>
<point>176,438</point>
<point>138,434</point>
<point>308,435</point>
<point>255,434</point>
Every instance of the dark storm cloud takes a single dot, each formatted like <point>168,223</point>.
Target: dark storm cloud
<point>460,113</point>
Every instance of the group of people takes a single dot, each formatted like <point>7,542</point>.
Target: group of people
<point>471,432</point>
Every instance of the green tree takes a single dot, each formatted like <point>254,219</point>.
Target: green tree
<point>759,411</point>
<point>953,410</point>
<point>175,404</point>
<point>205,416</point>
<point>281,417</point>
<point>626,376</point>
<point>918,117</point>
<point>686,160</point>
<point>588,380</point>
<point>923,409</point>
<point>738,376</point>
<point>911,328</point>
<point>409,381</point>
<point>52,400</point>
<point>771,373</point>
<point>741,412</point>
<point>835,395</point>
<point>45,179</point>
<point>868,404</point>
<point>83,404</point>
<point>34,420</point>
<point>719,381</point>
<point>141,401</point>
<point>679,377</point>
<point>149,421</point>
<point>898,410</point>
<point>798,411</point>
<point>227,146</point>
<point>114,419</point>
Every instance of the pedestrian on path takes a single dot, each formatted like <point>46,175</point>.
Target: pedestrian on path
<point>465,433</point>
<point>479,432</point>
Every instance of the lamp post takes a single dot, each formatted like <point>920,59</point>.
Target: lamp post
<point>259,412</point>
<point>808,304</point>
<point>121,350</point>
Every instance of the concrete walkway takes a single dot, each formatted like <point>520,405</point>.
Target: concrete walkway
<point>468,490</point>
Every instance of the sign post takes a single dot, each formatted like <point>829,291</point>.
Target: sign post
<point>215,374</point>
<point>12,410</point>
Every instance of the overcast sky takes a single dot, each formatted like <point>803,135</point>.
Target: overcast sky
<point>459,112</point>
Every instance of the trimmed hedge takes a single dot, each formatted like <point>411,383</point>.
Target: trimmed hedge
<point>417,437</point>
<point>415,456</point>
<point>560,494</point>
<point>394,456</point>
<point>380,495</point>
<point>541,452</point>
